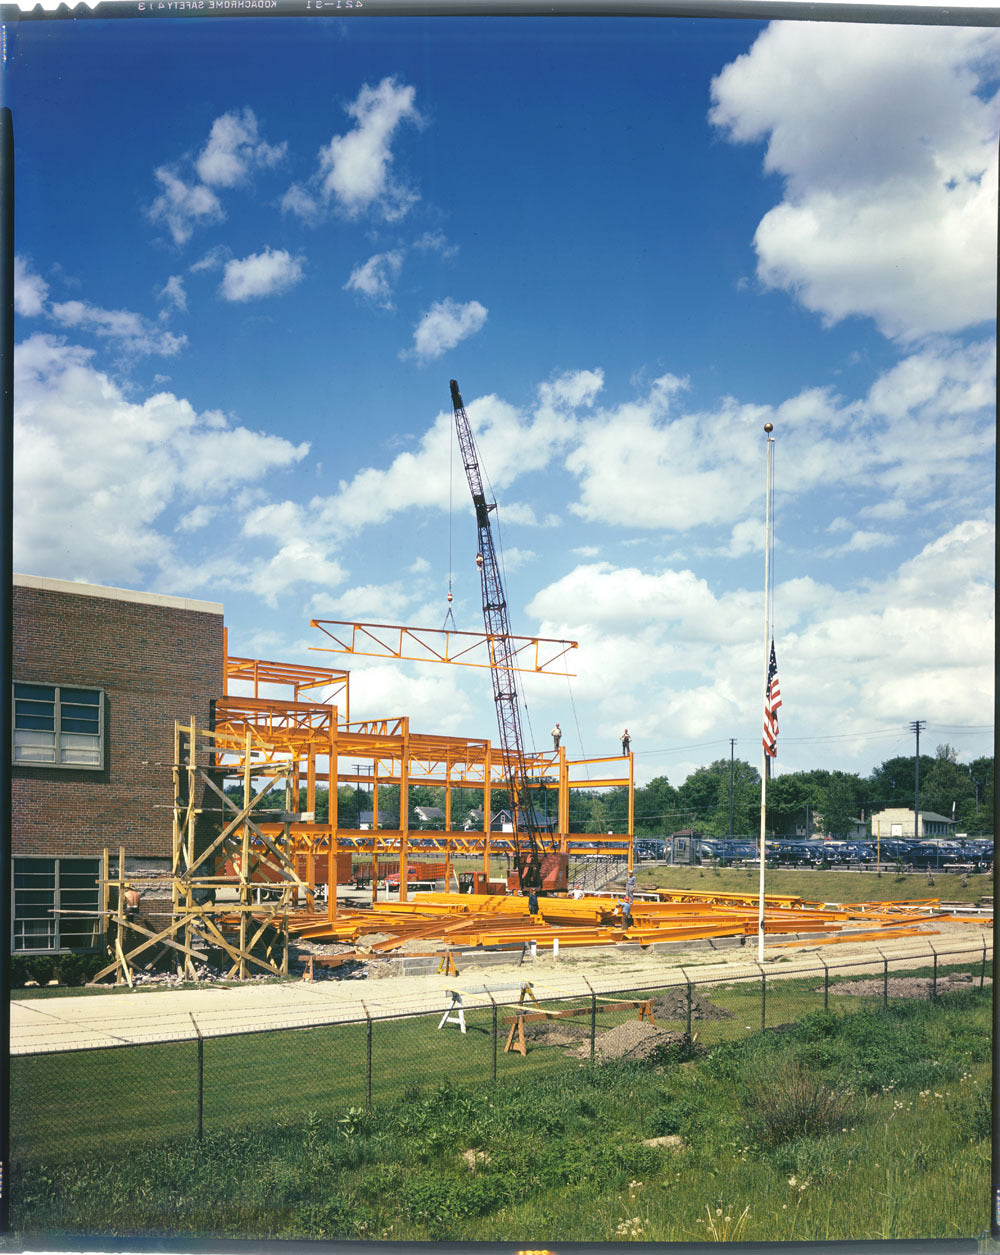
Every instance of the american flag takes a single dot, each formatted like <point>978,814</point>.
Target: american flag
<point>772,700</point>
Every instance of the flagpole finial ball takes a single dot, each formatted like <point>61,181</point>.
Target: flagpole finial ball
<point>769,427</point>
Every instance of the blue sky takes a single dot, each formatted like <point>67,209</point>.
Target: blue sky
<point>252,253</point>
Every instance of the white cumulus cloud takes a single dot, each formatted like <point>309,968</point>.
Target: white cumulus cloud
<point>183,206</point>
<point>885,137</point>
<point>174,294</point>
<point>444,325</point>
<point>93,508</point>
<point>374,278</point>
<point>261,274</point>
<point>130,331</point>
<point>30,289</point>
<point>234,149</point>
<point>355,168</point>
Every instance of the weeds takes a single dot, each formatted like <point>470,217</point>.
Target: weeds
<point>724,1228</point>
<point>798,1105</point>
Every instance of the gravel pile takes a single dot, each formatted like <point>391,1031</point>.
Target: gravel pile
<point>635,1039</point>
<point>673,1006</point>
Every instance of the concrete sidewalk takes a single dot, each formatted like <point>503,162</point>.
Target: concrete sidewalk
<point>154,1014</point>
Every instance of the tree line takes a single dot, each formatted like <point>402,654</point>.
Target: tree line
<point>798,802</point>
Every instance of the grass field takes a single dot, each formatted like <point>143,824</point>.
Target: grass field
<point>849,1123</point>
<point>821,886</point>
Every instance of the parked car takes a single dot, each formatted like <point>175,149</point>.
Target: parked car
<point>928,855</point>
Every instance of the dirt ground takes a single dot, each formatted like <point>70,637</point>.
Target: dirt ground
<point>908,986</point>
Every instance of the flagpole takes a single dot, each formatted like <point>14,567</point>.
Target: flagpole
<point>769,461</point>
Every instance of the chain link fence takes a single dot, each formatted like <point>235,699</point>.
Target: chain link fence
<point>64,1104</point>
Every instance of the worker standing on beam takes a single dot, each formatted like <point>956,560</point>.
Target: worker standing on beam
<point>626,743</point>
<point>556,736</point>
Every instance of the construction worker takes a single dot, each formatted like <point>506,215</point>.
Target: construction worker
<point>577,892</point>
<point>626,743</point>
<point>556,736</point>
<point>630,886</point>
<point>532,902</point>
<point>131,899</point>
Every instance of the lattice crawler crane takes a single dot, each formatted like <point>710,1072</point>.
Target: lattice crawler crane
<point>527,858</point>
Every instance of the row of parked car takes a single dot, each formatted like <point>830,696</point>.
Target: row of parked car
<point>971,854</point>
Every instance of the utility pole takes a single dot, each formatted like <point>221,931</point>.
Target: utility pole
<point>732,744</point>
<point>916,727</point>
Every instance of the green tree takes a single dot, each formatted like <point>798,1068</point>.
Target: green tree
<point>838,804</point>
<point>892,782</point>
<point>788,799</point>
<point>947,783</point>
<point>980,817</point>
<point>705,795</point>
<point>609,810</point>
<point>656,808</point>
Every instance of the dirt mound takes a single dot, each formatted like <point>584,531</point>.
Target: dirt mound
<point>905,986</point>
<point>555,1033</point>
<point>635,1039</point>
<point>673,1006</point>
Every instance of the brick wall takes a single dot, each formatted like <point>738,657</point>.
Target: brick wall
<point>156,663</point>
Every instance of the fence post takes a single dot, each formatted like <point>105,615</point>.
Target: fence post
<point>885,981</point>
<point>763,997</point>
<point>934,976</point>
<point>368,1064</point>
<point>690,1001</point>
<point>982,970</point>
<point>201,1076</point>
<point>494,1005</point>
<point>593,1017</point>
<point>826,983</point>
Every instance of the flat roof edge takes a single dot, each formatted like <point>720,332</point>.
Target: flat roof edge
<point>117,594</point>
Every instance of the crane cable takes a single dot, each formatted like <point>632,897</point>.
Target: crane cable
<point>451,476</point>
<point>576,720</point>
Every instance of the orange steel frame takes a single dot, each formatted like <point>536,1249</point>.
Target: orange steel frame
<point>534,654</point>
<point>311,742</point>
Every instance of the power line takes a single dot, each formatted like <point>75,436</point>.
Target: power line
<point>895,731</point>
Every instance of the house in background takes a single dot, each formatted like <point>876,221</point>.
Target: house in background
<point>429,816</point>
<point>366,820</point>
<point>502,821</point>
<point>99,677</point>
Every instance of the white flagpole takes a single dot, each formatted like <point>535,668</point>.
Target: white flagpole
<point>767,640</point>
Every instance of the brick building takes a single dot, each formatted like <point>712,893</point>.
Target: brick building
<point>100,675</point>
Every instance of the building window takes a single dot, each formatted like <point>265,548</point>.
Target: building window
<point>58,726</point>
<point>57,904</point>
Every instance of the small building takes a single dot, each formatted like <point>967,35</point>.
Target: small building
<point>683,846</point>
<point>898,822</point>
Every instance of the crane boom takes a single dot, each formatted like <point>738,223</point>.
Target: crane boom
<point>503,661</point>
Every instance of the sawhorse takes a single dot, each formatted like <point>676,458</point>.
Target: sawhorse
<point>517,1028</point>
<point>455,1013</point>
